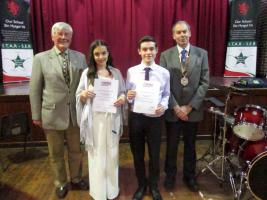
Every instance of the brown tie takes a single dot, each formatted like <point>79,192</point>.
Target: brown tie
<point>65,68</point>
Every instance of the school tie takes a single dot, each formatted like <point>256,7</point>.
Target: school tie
<point>183,56</point>
<point>147,69</point>
<point>65,68</point>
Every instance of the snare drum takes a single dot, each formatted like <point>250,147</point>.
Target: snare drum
<point>255,156</point>
<point>250,122</point>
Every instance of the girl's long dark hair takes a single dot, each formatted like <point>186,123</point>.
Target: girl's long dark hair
<point>92,72</point>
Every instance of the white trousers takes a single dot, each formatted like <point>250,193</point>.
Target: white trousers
<point>104,160</point>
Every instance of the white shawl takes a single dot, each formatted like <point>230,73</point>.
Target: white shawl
<point>85,118</point>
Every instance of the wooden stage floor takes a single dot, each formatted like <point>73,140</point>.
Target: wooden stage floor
<point>29,177</point>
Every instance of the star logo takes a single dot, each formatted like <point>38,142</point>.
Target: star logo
<point>240,58</point>
<point>18,62</point>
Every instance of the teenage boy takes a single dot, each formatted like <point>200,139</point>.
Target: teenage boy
<point>144,127</point>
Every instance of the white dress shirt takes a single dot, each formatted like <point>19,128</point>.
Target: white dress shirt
<point>157,73</point>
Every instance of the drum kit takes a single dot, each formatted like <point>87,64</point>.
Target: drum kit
<point>241,150</point>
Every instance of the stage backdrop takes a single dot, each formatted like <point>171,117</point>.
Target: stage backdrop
<point>123,22</point>
<point>16,48</point>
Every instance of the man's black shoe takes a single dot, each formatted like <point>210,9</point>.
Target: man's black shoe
<point>62,191</point>
<point>81,185</point>
<point>139,193</point>
<point>169,182</point>
<point>155,193</point>
<point>192,184</point>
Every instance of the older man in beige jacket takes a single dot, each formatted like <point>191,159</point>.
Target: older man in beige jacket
<point>54,80</point>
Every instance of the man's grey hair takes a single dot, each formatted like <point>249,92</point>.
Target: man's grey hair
<point>180,22</point>
<point>60,26</point>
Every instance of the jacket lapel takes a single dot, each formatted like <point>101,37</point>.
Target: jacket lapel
<point>55,63</point>
<point>175,57</point>
<point>74,62</point>
<point>175,61</point>
<point>192,60</point>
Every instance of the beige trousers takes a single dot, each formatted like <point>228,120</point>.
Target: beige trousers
<point>56,149</point>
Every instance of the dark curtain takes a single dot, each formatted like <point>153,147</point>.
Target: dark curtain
<point>123,22</point>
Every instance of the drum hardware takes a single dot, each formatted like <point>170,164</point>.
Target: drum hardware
<point>229,165</point>
<point>237,177</point>
<point>222,158</point>
<point>228,118</point>
<point>239,191</point>
<point>232,182</point>
<point>214,147</point>
<point>209,166</point>
<point>241,148</point>
<point>215,130</point>
<point>234,171</point>
<point>216,111</point>
<point>243,166</point>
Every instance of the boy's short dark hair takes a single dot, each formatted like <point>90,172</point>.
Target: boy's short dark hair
<point>146,38</point>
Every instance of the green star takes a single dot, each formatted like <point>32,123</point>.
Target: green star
<point>18,62</point>
<point>240,58</point>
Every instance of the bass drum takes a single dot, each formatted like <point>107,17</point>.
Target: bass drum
<point>255,154</point>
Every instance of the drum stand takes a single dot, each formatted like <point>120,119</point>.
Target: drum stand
<point>220,156</point>
<point>237,193</point>
<point>212,149</point>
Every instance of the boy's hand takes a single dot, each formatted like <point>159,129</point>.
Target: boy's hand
<point>160,110</point>
<point>131,94</point>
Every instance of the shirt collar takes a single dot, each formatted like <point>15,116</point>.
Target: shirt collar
<point>58,52</point>
<point>186,48</point>
<point>143,65</point>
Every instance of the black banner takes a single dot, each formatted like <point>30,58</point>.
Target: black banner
<point>16,47</point>
<point>242,48</point>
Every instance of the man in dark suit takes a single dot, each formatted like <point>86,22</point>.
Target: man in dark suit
<point>189,81</point>
<point>54,80</point>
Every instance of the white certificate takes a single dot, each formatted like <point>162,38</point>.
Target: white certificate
<point>147,97</point>
<point>106,92</point>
